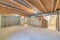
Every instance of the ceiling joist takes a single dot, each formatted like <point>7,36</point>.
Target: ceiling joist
<point>12,7</point>
<point>13,3</point>
<point>48,4</point>
<point>6,10</point>
<point>37,5</point>
<point>56,5</point>
<point>28,7</point>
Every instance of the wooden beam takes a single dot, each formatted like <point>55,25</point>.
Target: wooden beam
<point>20,6</point>
<point>48,4</point>
<point>37,5</point>
<point>29,4</point>
<point>6,10</point>
<point>42,5</point>
<point>16,9</point>
<point>56,5</point>
<point>33,7</point>
<point>53,5</point>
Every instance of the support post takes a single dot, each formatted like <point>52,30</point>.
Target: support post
<point>0,20</point>
<point>58,21</point>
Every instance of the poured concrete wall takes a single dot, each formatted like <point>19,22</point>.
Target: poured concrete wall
<point>34,21</point>
<point>10,20</point>
<point>52,23</point>
<point>13,20</point>
<point>38,21</point>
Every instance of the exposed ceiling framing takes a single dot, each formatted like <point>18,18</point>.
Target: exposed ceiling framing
<point>27,7</point>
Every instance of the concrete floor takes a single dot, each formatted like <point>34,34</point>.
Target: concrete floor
<point>32,33</point>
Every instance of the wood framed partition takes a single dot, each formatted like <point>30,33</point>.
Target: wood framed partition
<point>44,22</point>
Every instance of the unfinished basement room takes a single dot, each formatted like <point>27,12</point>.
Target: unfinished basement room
<point>29,19</point>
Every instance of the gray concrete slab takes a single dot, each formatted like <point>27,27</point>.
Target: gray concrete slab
<point>35,33</point>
